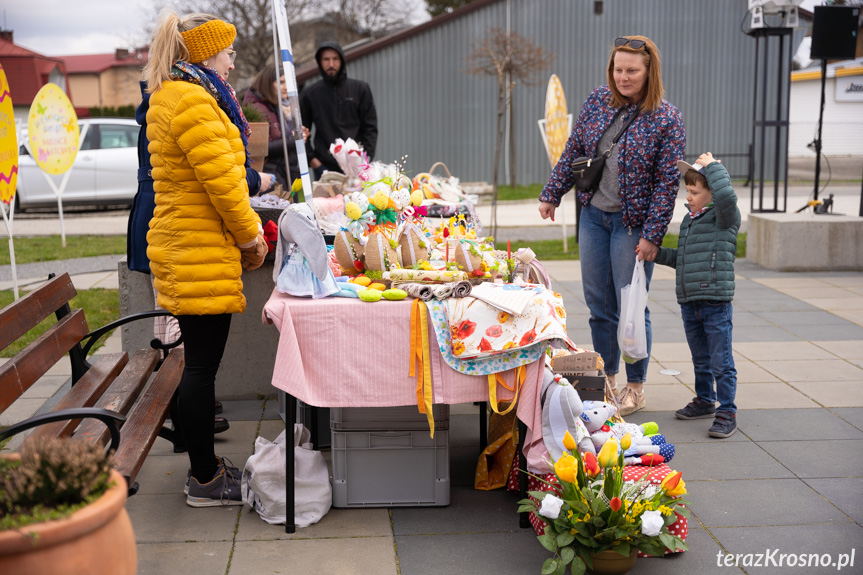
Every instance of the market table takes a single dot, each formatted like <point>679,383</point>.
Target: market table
<point>341,352</point>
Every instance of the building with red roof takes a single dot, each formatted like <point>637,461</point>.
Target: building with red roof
<point>27,71</point>
<point>102,80</point>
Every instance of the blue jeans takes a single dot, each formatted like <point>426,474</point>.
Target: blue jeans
<point>708,326</point>
<point>607,252</point>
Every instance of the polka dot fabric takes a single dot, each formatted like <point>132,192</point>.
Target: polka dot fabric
<point>656,474</point>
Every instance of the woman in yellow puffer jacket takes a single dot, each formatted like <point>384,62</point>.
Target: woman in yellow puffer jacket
<point>204,231</point>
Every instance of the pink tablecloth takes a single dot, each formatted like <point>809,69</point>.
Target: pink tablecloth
<point>341,352</point>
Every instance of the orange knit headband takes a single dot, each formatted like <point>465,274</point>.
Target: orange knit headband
<point>208,39</point>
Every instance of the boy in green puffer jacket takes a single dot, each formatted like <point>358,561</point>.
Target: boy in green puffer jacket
<point>704,259</point>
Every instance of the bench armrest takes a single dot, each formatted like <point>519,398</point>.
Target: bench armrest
<point>108,417</point>
<point>92,337</point>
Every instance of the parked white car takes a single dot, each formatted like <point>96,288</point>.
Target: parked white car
<point>105,170</point>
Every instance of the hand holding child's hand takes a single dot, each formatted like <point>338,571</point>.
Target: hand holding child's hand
<point>706,159</point>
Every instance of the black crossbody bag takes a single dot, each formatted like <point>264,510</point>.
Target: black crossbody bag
<point>588,171</point>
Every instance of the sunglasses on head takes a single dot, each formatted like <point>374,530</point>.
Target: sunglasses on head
<point>634,44</point>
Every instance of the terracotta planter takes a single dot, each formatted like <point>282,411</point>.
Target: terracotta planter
<point>95,540</point>
<point>612,563</point>
<point>259,142</point>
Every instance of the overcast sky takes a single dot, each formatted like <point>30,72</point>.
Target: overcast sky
<point>66,27</point>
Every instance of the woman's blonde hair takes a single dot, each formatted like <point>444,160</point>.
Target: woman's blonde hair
<point>168,46</point>
<point>653,90</point>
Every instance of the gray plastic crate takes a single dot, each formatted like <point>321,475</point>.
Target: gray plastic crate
<point>402,418</point>
<point>390,468</point>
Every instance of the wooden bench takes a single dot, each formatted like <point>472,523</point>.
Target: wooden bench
<point>114,402</point>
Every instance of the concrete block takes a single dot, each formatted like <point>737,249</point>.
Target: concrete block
<point>250,355</point>
<point>805,242</point>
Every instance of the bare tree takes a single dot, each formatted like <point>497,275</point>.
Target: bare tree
<point>509,58</point>
<point>253,19</point>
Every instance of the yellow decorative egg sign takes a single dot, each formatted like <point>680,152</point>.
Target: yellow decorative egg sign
<point>53,130</point>
<point>556,119</point>
<point>8,143</point>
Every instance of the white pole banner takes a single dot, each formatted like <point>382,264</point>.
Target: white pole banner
<point>280,20</point>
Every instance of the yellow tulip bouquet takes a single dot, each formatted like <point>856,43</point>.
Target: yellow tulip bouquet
<point>591,509</point>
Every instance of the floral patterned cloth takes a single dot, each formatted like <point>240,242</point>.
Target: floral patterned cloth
<point>481,366</point>
<point>481,330</point>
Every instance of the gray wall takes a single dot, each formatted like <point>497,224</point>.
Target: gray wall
<point>246,371</point>
<point>430,109</point>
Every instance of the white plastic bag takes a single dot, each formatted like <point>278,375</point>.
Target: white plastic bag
<point>263,483</point>
<point>631,331</point>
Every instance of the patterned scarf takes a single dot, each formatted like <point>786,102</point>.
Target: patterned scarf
<point>695,214</point>
<point>219,88</point>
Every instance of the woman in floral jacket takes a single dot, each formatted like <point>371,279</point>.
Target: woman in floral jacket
<point>629,210</point>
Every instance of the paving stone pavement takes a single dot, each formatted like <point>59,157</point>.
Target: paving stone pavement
<point>789,482</point>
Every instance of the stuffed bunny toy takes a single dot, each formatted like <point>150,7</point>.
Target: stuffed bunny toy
<point>646,442</point>
<point>561,411</point>
<point>302,253</point>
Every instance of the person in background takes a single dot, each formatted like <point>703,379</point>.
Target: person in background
<point>704,259</point>
<point>632,204</point>
<point>204,232</point>
<point>269,96</point>
<point>337,107</point>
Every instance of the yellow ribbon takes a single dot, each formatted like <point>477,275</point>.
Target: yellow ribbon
<point>421,354</point>
<point>495,378</point>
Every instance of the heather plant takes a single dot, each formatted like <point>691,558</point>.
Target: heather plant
<point>52,479</point>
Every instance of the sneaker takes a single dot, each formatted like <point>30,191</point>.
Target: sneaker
<point>234,471</point>
<point>222,490</point>
<point>696,409</point>
<point>630,401</point>
<point>724,425</point>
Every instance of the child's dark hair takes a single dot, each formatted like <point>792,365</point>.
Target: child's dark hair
<point>692,177</point>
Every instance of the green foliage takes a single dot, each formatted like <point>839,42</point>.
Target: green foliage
<point>101,306</point>
<point>112,112</point>
<point>50,248</point>
<point>53,478</point>
<point>253,114</point>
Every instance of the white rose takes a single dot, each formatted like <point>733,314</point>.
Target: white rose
<point>651,523</point>
<point>550,506</point>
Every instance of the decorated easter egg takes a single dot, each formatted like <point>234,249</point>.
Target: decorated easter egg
<point>395,294</point>
<point>360,199</point>
<point>380,200</point>
<point>377,286</point>
<point>362,280</point>
<point>353,211</point>
<point>401,198</point>
<point>417,198</point>
<point>370,295</point>
<point>52,127</point>
<point>8,143</point>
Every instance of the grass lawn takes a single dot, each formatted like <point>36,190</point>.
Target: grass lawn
<point>553,249</point>
<point>101,306</point>
<point>526,192</point>
<point>49,248</point>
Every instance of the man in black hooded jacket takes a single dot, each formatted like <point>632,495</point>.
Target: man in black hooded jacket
<point>338,107</point>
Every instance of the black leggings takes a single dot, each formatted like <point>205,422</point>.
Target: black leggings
<point>204,337</point>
